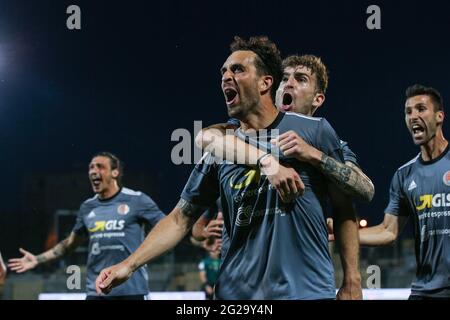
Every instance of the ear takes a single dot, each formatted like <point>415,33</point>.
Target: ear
<point>265,84</point>
<point>319,99</point>
<point>115,173</point>
<point>440,115</point>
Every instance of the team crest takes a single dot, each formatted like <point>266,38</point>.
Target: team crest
<point>123,209</point>
<point>446,178</point>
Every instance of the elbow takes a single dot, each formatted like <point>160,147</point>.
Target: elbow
<point>370,191</point>
<point>200,139</point>
<point>390,238</point>
<point>206,137</point>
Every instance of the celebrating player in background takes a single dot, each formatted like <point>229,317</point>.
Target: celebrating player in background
<point>421,189</point>
<point>113,221</point>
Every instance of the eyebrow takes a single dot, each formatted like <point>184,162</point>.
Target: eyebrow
<point>231,66</point>
<point>296,73</point>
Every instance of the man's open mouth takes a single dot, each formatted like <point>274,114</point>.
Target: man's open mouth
<point>286,104</point>
<point>230,95</point>
<point>417,130</point>
<point>96,181</point>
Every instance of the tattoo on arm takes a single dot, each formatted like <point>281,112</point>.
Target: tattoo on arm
<point>188,209</point>
<point>41,258</point>
<point>56,252</point>
<point>351,181</point>
<point>60,249</point>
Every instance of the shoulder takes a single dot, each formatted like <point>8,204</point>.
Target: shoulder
<point>291,116</point>
<point>132,193</point>
<point>88,203</point>
<point>406,169</point>
<point>409,165</point>
<point>134,196</point>
<point>305,126</point>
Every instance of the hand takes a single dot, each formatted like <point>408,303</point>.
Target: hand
<point>285,180</point>
<point>27,262</point>
<point>351,290</point>
<point>291,144</point>
<point>209,290</point>
<point>213,229</point>
<point>213,245</point>
<point>330,229</point>
<point>112,277</point>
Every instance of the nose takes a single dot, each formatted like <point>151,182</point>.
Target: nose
<point>226,76</point>
<point>290,83</point>
<point>413,115</point>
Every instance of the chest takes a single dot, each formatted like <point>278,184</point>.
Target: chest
<point>110,217</point>
<point>428,187</point>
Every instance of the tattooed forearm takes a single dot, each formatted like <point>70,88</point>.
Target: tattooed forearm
<point>41,258</point>
<point>56,252</point>
<point>60,249</point>
<point>188,209</point>
<point>348,178</point>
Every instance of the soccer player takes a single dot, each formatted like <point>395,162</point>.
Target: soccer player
<point>113,221</point>
<point>208,270</point>
<point>277,250</point>
<point>301,91</point>
<point>420,190</point>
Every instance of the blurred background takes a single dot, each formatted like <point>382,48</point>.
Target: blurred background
<point>138,70</point>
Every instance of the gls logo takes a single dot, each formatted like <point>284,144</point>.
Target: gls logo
<point>110,225</point>
<point>250,176</point>
<point>436,200</point>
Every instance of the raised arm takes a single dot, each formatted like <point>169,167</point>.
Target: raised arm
<point>224,146</point>
<point>30,261</point>
<point>163,237</point>
<point>347,176</point>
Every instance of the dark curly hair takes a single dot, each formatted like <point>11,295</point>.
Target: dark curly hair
<point>418,89</point>
<point>268,57</point>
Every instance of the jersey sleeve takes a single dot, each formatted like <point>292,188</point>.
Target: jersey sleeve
<point>149,211</point>
<point>202,187</point>
<point>347,153</point>
<point>397,205</point>
<point>328,141</point>
<point>80,228</point>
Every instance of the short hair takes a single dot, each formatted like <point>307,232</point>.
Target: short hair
<point>115,162</point>
<point>418,89</point>
<point>268,57</point>
<point>313,63</point>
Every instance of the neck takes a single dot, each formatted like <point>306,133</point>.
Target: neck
<point>434,148</point>
<point>109,192</point>
<point>261,116</point>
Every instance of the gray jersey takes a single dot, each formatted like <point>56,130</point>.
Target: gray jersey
<point>421,190</point>
<point>276,250</point>
<point>115,230</point>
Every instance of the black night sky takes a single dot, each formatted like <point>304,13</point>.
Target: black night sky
<point>137,70</point>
